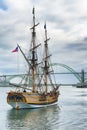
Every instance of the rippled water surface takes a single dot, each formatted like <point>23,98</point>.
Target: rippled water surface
<point>69,114</point>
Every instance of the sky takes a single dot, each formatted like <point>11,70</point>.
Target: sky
<point>66,26</point>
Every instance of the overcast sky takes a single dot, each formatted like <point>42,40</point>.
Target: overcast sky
<point>67,28</point>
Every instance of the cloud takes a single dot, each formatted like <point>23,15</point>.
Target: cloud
<point>77,45</point>
<point>66,24</point>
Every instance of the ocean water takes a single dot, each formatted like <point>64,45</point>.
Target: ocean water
<point>69,114</point>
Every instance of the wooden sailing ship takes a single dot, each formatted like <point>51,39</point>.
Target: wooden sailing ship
<point>42,91</point>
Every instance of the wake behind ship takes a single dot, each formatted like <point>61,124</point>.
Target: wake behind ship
<point>38,90</point>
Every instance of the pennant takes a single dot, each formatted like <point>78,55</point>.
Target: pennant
<point>15,50</point>
<point>33,11</point>
<point>45,26</point>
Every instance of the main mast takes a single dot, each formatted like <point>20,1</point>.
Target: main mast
<point>46,66</point>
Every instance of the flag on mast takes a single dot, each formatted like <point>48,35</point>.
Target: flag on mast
<point>15,50</point>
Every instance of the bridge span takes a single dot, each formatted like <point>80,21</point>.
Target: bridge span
<point>80,76</point>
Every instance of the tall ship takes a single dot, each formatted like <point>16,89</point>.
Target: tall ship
<point>39,89</point>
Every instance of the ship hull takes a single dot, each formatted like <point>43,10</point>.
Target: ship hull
<point>30,100</point>
<point>17,105</point>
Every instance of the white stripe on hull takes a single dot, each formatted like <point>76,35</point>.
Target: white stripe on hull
<point>21,105</point>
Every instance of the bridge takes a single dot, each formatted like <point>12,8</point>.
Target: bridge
<point>80,76</point>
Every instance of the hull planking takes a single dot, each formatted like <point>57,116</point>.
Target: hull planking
<point>20,100</point>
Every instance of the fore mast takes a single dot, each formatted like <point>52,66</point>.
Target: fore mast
<point>33,52</point>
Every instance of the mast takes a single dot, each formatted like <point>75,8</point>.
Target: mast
<point>32,61</point>
<point>46,67</point>
<point>33,51</point>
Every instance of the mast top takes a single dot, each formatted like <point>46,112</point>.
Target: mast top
<point>34,25</point>
<point>46,38</point>
<point>33,11</point>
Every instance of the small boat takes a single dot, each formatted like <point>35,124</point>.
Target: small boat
<point>40,91</point>
<point>81,85</point>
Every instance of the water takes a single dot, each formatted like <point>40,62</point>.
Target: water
<point>69,114</point>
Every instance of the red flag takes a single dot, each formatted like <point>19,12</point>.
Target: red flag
<point>15,50</point>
